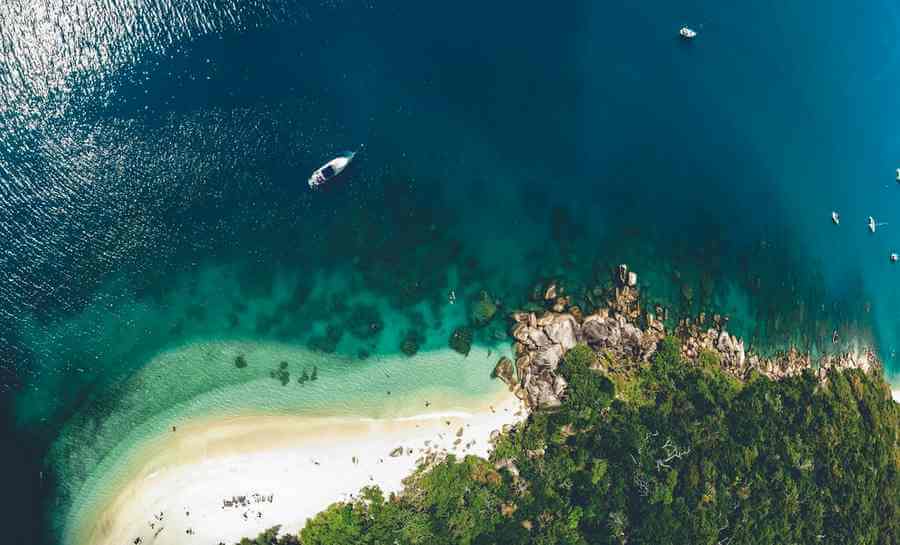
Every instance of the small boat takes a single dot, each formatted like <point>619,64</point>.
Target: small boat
<point>898,174</point>
<point>686,33</point>
<point>835,217</point>
<point>872,225</point>
<point>331,169</point>
<point>894,258</point>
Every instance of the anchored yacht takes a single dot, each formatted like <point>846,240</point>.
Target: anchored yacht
<point>331,169</point>
<point>686,33</point>
<point>835,217</point>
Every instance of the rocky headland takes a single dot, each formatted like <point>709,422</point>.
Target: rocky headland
<point>625,333</point>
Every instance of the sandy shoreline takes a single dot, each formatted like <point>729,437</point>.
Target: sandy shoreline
<point>281,469</point>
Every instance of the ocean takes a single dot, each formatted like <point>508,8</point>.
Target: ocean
<point>153,198</point>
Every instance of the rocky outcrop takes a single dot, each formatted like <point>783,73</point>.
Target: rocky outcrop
<point>540,345</point>
<point>505,370</point>
<point>629,333</point>
<point>737,361</point>
<point>618,337</point>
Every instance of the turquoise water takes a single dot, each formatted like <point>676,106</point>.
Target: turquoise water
<point>94,454</point>
<point>154,154</point>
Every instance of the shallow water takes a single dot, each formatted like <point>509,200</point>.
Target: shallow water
<point>94,453</point>
<point>153,161</point>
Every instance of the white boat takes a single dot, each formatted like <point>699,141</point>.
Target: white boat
<point>835,217</point>
<point>898,174</point>
<point>686,33</point>
<point>894,258</point>
<point>873,225</point>
<point>331,169</point>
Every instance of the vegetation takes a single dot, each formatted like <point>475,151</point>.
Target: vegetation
<point>688,456</point>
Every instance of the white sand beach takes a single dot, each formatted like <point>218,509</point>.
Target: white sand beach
<point>280,469</point>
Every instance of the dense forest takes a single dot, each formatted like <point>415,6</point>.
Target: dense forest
<point>662,453</point>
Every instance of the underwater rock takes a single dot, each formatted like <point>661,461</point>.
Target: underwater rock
<point>411,343</point>
<point>461,340</point>
<point>483,310</point>
<point>365,322</point>
<point>505,371</point>
<point>240,361</point>
<point>282,373</point>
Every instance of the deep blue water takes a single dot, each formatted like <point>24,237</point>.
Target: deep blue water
<point>143,143</point>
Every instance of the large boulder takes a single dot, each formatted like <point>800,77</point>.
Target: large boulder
<point>548,357</point>
<point>563,330</point>
<point>505,371</point>
<point>617,336</point>
<point>632,338</point>
<point>538,338</point>
<point>600,332</point>
<point>541,390</point>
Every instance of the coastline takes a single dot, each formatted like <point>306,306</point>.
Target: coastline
<point>178,484</point>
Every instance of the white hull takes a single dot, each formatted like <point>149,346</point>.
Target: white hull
<point>330,170</point>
